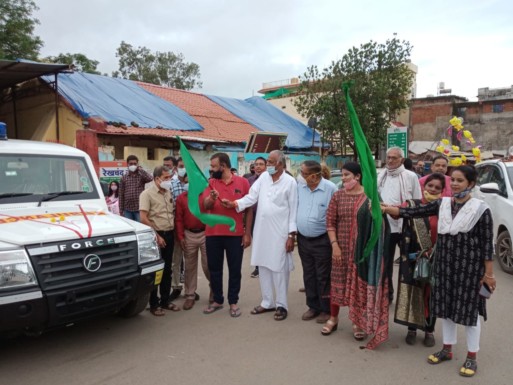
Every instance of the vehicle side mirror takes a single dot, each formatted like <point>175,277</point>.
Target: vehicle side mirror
<point>490,188</point>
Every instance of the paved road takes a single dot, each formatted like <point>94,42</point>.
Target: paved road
<point>189,347</point>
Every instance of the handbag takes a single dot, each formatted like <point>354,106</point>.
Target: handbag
<point>422,271</point>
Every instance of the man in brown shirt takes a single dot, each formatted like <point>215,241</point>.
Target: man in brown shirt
<point>131,187</point>
<point>156,208</point>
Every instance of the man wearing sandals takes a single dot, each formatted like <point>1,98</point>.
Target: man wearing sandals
<point>313,241</point>
<point>156,210</point>
<point>274,232</point>
<point>223,185</point>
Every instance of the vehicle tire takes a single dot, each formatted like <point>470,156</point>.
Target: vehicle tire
<point>504,252</point>
<point>135,306</point>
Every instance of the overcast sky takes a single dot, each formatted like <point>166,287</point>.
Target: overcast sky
<point>240,44</point>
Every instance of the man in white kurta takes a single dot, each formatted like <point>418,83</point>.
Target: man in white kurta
<point>274,231</point>
<point>396,185</point>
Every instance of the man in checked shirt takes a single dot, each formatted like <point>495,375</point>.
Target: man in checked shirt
<point>131,187</point>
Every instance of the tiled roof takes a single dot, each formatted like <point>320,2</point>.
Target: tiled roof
<point>220,125</point>
<point>198,136</point>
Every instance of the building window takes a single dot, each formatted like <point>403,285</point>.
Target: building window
<point>497,107</point>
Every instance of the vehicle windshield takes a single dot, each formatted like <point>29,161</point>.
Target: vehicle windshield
<point>35,178</point>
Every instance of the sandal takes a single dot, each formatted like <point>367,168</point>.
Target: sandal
<point>212,308</point>
<point>329,327</point>
<point>259,310</point>
<point>358,334</point>
<point>281,314</point>
<point>439,357</point>
<point>171,306</point>
<point>235,312</point>
<point>157,312</point>
<point>469,368</point>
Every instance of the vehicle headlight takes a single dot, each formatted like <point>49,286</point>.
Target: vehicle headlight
<point>148,248</point>
<point>16,270</point>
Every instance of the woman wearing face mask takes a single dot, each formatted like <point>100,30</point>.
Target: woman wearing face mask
<point>463,262</point>
<point>112,198</point>
<point>412,305</point>
<point>356,284</point>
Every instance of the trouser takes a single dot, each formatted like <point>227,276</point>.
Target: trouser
<point>279,281</point>
<point>316,256</point>
<point>176,265</point>
<point>450,334</point>
<point>194,242</point>
<point>165,284</point>
<point>133,215</point>
<point>334,309</point>
<point>394,241</point>
<point>216,247</point>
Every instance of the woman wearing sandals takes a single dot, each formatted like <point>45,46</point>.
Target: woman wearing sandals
<point>418,235</point>
<point>463,263</point>
<point>360,285</point>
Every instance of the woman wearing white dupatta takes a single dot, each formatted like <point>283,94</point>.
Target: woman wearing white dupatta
<point>463,262</point>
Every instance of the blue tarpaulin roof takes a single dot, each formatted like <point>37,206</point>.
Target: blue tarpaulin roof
<point>120,100</point>
<point>266,117</point>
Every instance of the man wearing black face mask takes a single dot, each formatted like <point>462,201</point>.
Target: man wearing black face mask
<point>224,185</point>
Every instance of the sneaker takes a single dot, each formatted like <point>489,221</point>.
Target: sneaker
<point>254,274</point>
<point>411,337</point>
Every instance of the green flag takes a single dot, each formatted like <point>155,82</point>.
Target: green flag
<point>370,180</point>
<point>197,184</point>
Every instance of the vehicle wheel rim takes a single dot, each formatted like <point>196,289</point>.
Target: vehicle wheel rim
<point>505,252</point>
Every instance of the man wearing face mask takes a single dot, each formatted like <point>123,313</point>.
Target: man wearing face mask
<point>130,188</point>
<point>396,185</point>
<point>190,232</point>
<point>313,241</point>
<point>223,185</point>
<point>156,205</point>
<point>177,188</point>
<point>275,232</point>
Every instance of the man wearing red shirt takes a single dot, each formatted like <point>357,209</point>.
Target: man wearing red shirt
<point>219,238</point>
<point>191,235</point>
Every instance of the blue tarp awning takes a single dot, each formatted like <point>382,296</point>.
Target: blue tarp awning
<point>121,100</point>
<point>266,117</point>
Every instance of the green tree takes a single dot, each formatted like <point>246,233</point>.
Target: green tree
<point>163,68</point>
<point>382,88</point>
<point>17,39</point>
<point>80,62</point>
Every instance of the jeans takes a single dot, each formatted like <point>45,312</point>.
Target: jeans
<point>216,247</point>
<point>133,215</point>
<point>165,285</point>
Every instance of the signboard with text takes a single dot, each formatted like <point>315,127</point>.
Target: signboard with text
<point>398,137</point>
<point>112,170</point>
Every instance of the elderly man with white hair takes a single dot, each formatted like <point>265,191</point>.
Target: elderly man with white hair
<point>396,185</point>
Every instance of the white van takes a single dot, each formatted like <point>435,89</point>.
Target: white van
<point>63,256</point>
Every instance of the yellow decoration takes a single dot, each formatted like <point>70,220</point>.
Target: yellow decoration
<point>440,149</point>
<point>463,158</point>
<point>457,123</point>
<point>61,218</point>
<point>476,151</point>
<point>53,220</point>
<point>467,134</point>
<point>455,148</point>
<point>456,162</point>
<point>472,141</point>
<point>445,141</point>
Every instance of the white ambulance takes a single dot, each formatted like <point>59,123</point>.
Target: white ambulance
<point>63,256</point>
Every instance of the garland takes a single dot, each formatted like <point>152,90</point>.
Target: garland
<point>446,148</point>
